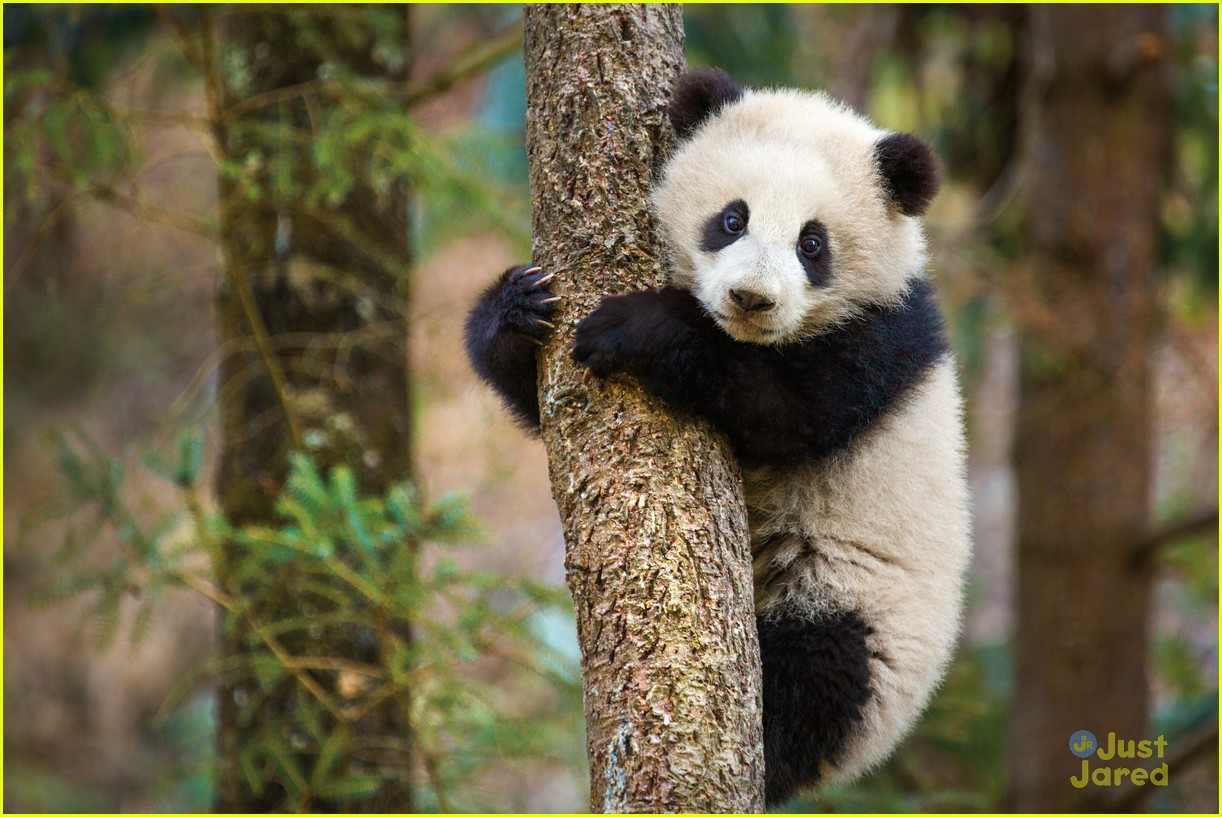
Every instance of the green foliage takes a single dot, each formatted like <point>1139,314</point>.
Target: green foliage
<point>474,185</point>
<point>83,41</point>
<point>351,613</point>
<point>1189,239</point>
<point>370,149</point>
<point>188,731</point>
<point>345,132</point>
<point>92,501</point>
<point>754,43</point>
<point>46,792</point>
<point>317,143</point>
<point>62,134</point>
<point>378,571</point>
<point>1178,662</point>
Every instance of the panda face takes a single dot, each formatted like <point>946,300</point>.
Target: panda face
<point>765,260</point>
<point>779,216</point>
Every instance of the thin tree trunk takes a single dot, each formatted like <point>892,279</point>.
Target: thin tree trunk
<point>312,310</point>
<point>1098,130</point>
<point>658,556</point>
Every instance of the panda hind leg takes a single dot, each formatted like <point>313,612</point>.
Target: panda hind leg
<point>816,685</point>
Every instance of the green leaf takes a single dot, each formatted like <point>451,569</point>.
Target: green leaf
<point>403,503</point>
<point>31,78</point>
<point>306,485</point>
<point>353,787</point>
<point>444,571</point>
<point>190,456</point>
<point>344,489</point>
<point>333,748</point>
<point>141,623</point>
<point>250,770</point>
<point>289,766</point>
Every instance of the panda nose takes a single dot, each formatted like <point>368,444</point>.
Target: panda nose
<point>749,301</point>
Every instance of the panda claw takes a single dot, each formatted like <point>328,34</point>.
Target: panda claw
<point>541,322</point>
<point>545,278</point>
<point>550,300</point>
<point>586,376</point>
<point>532,270</point>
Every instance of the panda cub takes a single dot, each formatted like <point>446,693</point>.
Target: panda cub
<point>800,321</point>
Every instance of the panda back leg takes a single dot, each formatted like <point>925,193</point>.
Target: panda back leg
<point>816,685</point>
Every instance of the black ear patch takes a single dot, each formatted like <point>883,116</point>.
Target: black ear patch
<point>911,173</point>
<point>698,95</point>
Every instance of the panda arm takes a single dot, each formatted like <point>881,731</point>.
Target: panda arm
<point>776,404</point>
<point>503,329</point>
<point>813,399</point>
<point>666,339</point>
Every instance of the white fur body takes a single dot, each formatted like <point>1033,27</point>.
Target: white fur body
<point>884,527</point>
<point>886,533</point>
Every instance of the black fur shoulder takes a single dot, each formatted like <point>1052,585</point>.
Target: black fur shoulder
<point>777,404</point>
<point>870,364</point>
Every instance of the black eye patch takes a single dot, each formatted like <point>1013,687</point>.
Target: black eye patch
<point>815,252</point>
<point>723,229</point>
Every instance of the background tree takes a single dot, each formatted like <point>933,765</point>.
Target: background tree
<point>318,534</point>
<point>657,555</point>
<point>1097,122</point>
<point>314,231</point>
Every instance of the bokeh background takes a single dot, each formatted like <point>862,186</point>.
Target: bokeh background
<point>114,256</point>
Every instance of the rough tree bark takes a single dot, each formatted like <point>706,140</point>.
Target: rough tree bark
<point>1098,124</point>
<point>658,557</point>
<point>309,292</point>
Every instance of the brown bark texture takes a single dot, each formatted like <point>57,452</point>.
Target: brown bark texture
<point>312,317</point>
<point>1098,140</point>
<point>658,557</point>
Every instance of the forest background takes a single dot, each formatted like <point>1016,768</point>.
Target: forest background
<point>119,363</point>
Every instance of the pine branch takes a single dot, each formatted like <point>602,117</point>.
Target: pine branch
<point>1149,547</point>
<point>474,61</point>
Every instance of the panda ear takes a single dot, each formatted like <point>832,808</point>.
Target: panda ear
<point>698,95</point>
<point>910,172</point>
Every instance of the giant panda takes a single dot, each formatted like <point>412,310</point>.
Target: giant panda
<point>801,322</point>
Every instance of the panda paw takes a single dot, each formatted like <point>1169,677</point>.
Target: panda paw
<point>526,304</point>
<point>604,340</point>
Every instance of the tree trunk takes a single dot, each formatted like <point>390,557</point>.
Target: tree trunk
<point>312,313</point>
<point>1098,126</point>
<point>658,557</point>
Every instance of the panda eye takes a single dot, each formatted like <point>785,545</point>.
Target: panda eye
<point>725,226</point>
<point>810,246</point>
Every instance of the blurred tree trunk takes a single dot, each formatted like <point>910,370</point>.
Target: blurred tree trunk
<point>658,556</point>
<point>1097,120</point>
<point>837,45</point>
<point>312,316</point>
